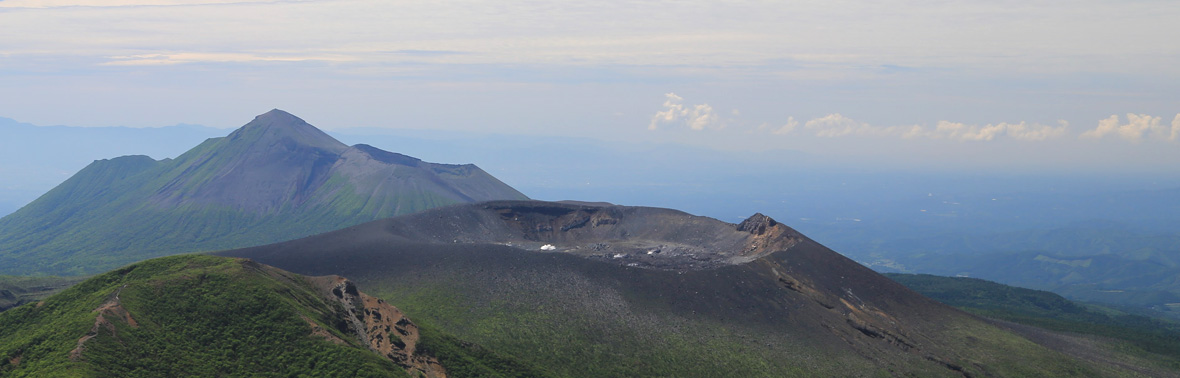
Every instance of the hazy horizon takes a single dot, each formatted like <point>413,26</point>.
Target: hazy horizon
<point>1029,86</point>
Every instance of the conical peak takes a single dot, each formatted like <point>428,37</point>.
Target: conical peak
<point>757,224</point>
<point>279,116</point>
<point>277,124</point>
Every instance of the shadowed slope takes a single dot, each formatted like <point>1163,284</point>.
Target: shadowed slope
<point>583,285</point>
<point>276,178</point>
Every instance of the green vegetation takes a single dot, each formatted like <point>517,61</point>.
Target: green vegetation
<point>18,290</point>
<point>463,359</point>
<point>580,341</point>
<point>97,221</point>
<point>181,316</point>
<point>1143,336</point>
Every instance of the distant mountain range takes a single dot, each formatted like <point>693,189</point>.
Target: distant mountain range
<point>274,179</point>
<point>34,159</point>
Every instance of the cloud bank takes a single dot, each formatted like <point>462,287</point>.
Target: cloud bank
<point>1137,128</point>
<point>1018,131</point>
<point>836,125</point>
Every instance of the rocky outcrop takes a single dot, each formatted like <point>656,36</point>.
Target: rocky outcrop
<point>766,236</point>
<point>379,326</point>
<point>757,224</point>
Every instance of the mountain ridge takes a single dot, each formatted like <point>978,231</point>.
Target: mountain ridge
<point>273,179</point>
<point>200,315</point>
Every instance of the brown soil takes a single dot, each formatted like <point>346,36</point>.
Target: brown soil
<point>380,326</point>
<point>112,309</point>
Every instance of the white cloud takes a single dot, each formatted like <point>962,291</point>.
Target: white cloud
<point>696,117</point>
<point>1138,127</point>
<point>1018,131</point>
<point>1175,128</point>
<point>837,125</point>
<point>834,125</point>
<point>788,127</point>
<point>1036,131</point>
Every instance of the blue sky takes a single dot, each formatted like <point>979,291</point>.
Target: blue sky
<point>1008,85</point>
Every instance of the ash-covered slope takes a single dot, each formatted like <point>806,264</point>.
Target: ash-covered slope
<point>210,316</point>
<point>628,291</point>
<point>276,178</point>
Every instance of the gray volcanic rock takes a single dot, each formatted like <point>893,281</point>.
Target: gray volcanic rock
<point>657,292</point>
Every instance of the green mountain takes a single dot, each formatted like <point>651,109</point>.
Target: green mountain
<point>205,316</point>
<point>594,290</point>
<point>274,179</point>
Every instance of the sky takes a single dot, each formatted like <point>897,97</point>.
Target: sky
<point>1086,85</point>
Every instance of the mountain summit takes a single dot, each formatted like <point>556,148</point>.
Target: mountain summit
<point>275,178</point>
<point>277,126</point>
<point>275,160</point>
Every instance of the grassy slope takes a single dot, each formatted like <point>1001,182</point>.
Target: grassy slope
<point>196,315</point>
<point>1141,336</point>
<point>463,359</point>
<point>97,220</point>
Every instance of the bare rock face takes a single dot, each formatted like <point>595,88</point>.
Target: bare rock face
<point>380,326</point>
<point>758,224</point>
<point>767,236</point>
